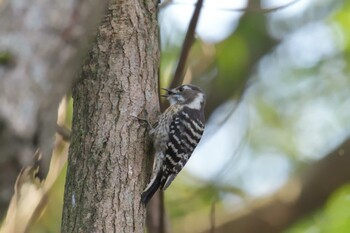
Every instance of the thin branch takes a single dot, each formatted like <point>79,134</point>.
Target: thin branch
<point>156,220</point>
<point>162,213</point>
<point>244,9</point>
<point>178,77</point>
<point>212,217</point>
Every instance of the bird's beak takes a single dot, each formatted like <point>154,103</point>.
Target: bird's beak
<point>169,92</point>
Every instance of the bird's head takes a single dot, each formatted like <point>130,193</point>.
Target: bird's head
<point>187,95</point>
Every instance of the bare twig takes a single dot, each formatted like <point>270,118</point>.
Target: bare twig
<point>178,77</point>
<point>212,217</point>
<point>162,228</point>
<point>244,9</point>
<point>156,220</point>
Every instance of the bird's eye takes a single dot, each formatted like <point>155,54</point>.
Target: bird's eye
<point>181,89</point>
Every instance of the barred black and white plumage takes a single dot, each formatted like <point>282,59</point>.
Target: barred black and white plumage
<point>176,135</point>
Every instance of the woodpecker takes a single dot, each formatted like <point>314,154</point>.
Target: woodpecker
<point>175,136</point>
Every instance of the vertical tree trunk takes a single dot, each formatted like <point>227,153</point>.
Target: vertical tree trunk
<point>109,146</point>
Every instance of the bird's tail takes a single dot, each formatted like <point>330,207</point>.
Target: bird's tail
<point>151,188</point>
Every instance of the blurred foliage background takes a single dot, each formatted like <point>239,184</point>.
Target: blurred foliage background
<point>278,90</point>
<point>278,100</point>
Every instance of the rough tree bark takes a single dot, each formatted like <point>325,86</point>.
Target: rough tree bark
<point>109,144</point>
<point>41,46</point>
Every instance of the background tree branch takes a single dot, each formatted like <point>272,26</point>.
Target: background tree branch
<point>186,47</point>
<point>300,197</point>
<point>41,47</point>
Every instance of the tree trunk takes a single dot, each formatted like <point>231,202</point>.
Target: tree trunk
<point>110,147</point>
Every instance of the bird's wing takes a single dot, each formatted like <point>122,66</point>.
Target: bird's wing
<point>185,133</point>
